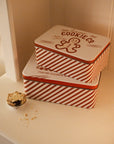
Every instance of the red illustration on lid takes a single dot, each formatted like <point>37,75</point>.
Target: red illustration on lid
<point>71,45</point>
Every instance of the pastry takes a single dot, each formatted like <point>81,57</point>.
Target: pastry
<point>16,99</point>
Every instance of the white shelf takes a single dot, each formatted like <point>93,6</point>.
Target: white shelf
<point>49,123</point>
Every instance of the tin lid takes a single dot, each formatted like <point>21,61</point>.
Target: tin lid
<point>73,43</point>
<point>32,73</point>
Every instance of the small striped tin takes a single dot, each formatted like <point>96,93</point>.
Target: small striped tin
<point>73,53</point>
<point>46,85</point>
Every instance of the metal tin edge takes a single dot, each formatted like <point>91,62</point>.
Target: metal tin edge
<point>72,57</point>
<point>33,77</point>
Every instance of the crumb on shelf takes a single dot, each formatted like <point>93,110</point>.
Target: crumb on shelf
<point>16,99</point>
<point>33,118</point>
<point>26,115</point>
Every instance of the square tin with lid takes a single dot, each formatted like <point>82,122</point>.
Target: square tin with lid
<point>74,53</point>
<point>49,86</point>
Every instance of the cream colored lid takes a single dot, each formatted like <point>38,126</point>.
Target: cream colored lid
<point>32,73</point>
<point>73,43</point>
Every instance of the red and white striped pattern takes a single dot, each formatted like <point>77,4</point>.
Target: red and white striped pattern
<point>101,62</point>
<point>69,67</point>
<point>77,97</point>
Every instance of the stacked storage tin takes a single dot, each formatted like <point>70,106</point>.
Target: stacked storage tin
<point>66,67</point>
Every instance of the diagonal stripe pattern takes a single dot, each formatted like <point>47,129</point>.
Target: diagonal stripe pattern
<point>69,67</point>
<point>77,97</point>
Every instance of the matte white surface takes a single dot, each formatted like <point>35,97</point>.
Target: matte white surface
<point>28,19</point>
<point>9,55</point>
<point>49,123</point>
<point>4,140</point>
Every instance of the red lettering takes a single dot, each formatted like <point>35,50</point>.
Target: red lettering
<point>84,36</point>
<point>78,34</point>
<point>73,34</point>
<point>63,33</point>
<point>67,33</point>
<point>89,40</point>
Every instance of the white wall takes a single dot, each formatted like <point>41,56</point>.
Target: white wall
<point>90,15</point>
<point>57,12</point>
<point>2,66</point>
<point>5,43</point>
<point>31,18</point>
<point>111,58</point>
<point>95,16</point>
<point>2,69</point>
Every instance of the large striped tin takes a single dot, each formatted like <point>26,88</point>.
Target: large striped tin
<point>73,53</point>
<point>45,85</point>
